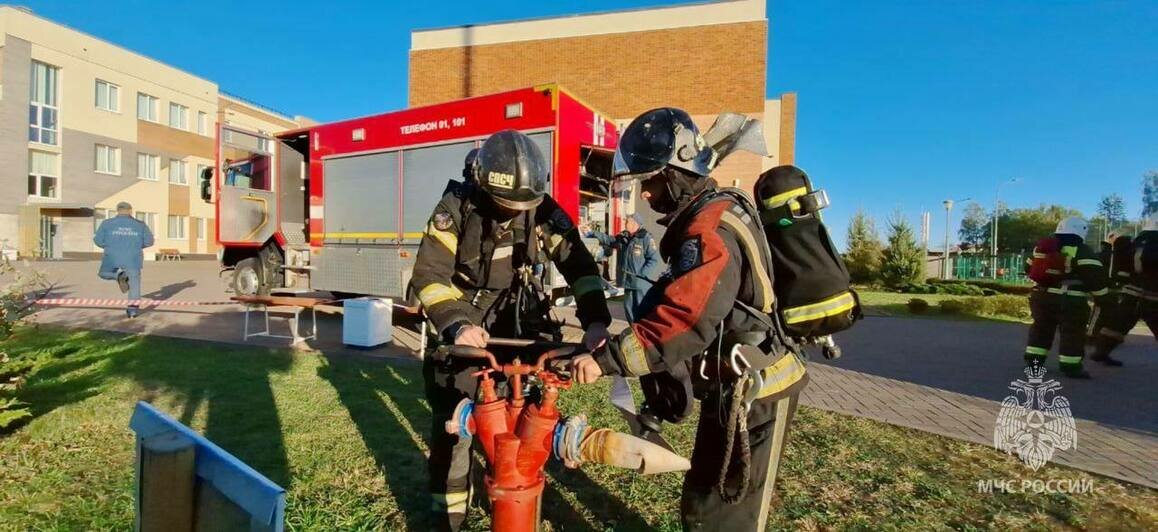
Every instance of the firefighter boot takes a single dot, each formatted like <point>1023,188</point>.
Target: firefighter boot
<point>1075,373</point>
<point>1103,356</point>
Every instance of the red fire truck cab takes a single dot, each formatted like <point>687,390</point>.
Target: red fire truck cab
<point>342,207</point>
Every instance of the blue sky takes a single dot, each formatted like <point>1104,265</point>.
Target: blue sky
<point>901,103</point>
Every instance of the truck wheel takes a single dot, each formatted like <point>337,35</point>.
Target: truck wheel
<point>248,278</point>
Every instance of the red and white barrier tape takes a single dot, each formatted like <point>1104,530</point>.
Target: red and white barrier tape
<point>82,302</point>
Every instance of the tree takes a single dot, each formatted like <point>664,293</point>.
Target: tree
<point>863,257</point>
<point>1149,193</point>
<point>903,261</point>
<point>1020,229</point>
<point>1113,209</point>
<point>1111,214</point>
<point>976,228</point>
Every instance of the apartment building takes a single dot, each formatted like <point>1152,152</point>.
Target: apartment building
<point>95,124</point>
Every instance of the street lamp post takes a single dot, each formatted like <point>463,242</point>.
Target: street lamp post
<point>948,222</point>
<point>996,213</point>
<point>945,258</point>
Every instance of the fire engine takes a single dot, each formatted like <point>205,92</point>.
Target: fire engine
<point>341,207</point>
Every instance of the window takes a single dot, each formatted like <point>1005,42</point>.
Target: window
<point>108,160</point>
<point>177,172</point>
<point>176,226</point>
<point>202,228</point>
<point>146,107</point>
<point>149,218</point>
<point>43,174</point>
<point>108,96</point>
<point>148,166</point>
<point>178,116</point>
<point>202,123</point>
<point>42,105</point>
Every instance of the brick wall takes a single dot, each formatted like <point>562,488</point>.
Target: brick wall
<point>703,69</point>
<point>787,148</point>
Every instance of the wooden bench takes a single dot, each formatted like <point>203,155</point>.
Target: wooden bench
<point>292,306</point>
<point>168,254</point>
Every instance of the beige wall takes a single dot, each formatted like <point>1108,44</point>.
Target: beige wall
<point>246,116</point>
<point>780,130</point>
<point>584,25</point>
<point>83,59</point>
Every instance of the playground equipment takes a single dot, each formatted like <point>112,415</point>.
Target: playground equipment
<point>518,436</point>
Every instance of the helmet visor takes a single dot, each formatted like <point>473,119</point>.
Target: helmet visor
<point>623,171</point>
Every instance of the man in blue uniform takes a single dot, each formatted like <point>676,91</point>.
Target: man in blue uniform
<point>638,264</point>
<point>123,238</point>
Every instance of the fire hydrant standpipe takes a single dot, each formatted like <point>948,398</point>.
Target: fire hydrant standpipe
<point>518,439</point>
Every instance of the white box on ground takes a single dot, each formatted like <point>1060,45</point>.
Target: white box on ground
<point>366,321</point>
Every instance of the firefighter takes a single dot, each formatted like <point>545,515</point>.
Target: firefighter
<point>1065,272</point>
<point>474,277</point>
<point>716,299</point>
<point>638,264</point>
<point>1136,265</point>
<point>467,183</point>
<point>1115,257</point>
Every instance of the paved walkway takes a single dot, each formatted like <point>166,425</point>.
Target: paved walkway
<point>1103,449</point>
<point>943,377</point>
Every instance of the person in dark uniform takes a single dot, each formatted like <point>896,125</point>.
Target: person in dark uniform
<point>1136,265</point>
<point>1061,307</point>
<point>1115,257</point>
<point>717,299</point>
<point>638,264</point>
<point>474,276</point>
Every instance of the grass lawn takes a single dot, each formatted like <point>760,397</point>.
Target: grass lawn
<point>346,438</point>
<point>896,304</point>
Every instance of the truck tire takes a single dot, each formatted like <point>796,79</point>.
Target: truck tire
<point>249,278</point>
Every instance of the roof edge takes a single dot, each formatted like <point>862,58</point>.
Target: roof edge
<point>587,24</point>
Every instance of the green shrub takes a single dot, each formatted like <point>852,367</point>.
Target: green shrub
<point>1007,305</point>
<point>914,288</point>
<point>918,305</point>
<point>996,286</point>
<point>952,306</point>
<point>999,305</point>
<point>956,289</point>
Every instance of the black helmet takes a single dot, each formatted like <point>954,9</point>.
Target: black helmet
<point>662,137</point>
<point>468,165</point>
<point>511,169</point>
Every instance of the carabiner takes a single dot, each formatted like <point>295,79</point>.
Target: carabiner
<point>755,381</point>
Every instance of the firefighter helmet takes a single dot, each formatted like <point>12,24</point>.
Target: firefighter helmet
<point>660,138</point>
<point>468,165</point>
<point>512,171</point>
<point>1074,225</point>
